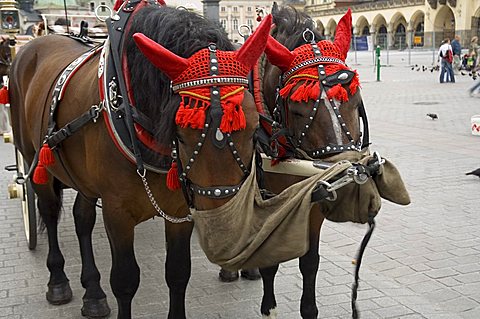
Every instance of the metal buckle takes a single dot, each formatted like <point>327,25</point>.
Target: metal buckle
<point>329,189</point>
<point>305,33</point>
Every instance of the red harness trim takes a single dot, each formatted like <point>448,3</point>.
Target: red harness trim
<point>262,109</point>
<point>77,67</point>
<point>142,134</point>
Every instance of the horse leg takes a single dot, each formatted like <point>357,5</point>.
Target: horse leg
<point>269,303</point>
<point>94,300</point>
<point>49,204</point>
<point>309,267</point>
<point>177,266</point>
<point>125,272</point>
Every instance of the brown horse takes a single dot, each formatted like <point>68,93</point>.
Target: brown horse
<point>315,113</point>
<point>190,51</point>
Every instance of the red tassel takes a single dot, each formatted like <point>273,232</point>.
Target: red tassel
<point>354,84</point>
<point>191,116</point>
<point>173,182</point>
<point>287,88</point>
<point>315,91</point>
<point>301,93</point>
<point>4,98</point>
<point>40,175</point>
<point>233,118</point>
<point>46,157</point>
<point>338,92</point>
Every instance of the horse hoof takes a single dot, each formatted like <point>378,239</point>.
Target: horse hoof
<point>95,308</point>
<point>59,294</point>
<point>272,314</point>
<point>250,274</point>
<point>227,276</point>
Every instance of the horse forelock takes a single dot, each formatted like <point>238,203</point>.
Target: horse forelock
<point>290,25</point>
<point>183,33</point>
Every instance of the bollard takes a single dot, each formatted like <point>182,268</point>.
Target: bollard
<point>377,53</point>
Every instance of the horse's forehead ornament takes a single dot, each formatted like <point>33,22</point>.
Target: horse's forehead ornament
<point>302,63</point>
<point>193,78</point>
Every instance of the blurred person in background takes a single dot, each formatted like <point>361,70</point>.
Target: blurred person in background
<point>457,54</point>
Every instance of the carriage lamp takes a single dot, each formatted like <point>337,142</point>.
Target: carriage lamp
<point>9,16</point>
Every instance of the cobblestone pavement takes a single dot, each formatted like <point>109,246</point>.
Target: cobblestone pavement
<point>423,260</point>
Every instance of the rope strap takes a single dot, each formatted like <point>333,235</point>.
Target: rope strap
<point>366,239</point>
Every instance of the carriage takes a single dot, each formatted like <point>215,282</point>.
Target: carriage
<point>311,149</point>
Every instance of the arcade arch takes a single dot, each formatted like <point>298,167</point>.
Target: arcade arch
<point>362,27</point>
<point>320,28</point>
<point>417,26</point>
<point>399,30</point>
<point>379,25</point>
<point>331,29</point>
<point>476,23</point>
<point>444,25</point>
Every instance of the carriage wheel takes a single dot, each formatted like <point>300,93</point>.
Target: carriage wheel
<point>27,197</point>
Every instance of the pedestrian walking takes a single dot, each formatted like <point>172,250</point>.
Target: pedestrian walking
<point>4,114</point>
<point>472,59</point>
<point>457,54</point>
<point>445,57</point>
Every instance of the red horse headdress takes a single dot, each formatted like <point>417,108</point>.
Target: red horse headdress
<point>191,77</point>
<point>300,64</point>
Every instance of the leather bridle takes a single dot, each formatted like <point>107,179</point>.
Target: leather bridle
<point>280,114</point>
<point>219,140</point>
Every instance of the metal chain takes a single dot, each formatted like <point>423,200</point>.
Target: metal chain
<point>161,213</point>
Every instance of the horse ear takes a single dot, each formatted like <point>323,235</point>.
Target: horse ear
<point>251,50</point>
<point>343,36</point>
<point>165,60</point>
<point>275,9</point>
<point>278,54</point>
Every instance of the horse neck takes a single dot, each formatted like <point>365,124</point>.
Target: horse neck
<point>269,75</point>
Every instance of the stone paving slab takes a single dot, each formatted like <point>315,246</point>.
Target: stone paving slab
<point>423,260</point>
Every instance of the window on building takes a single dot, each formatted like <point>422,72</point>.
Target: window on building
<point>92,6</point>
<point>223,9</point>
<point>103,4</point>
<point>250,23</point>
<point>235,24</point>
<point>235,9</point>
<point>223,22</point>
<point>249,9</point>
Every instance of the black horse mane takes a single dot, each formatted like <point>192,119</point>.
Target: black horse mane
<point>290,25</point>
<point>183,33</point>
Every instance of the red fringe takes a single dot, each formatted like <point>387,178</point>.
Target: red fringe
<point>309,90</point>
<point>4,98</point>
<point>233,118</point>
<point>338,92</point>
<point>46,157</point>
<point>285,91</point>
<point>354,84</point>
<point>191,116</point>
<point>173,182</point>
<point>40,175</point>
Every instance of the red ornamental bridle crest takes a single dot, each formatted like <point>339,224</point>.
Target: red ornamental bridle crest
<point>194,77</point>
<point>301,64</point>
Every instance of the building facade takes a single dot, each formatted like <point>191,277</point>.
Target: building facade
<point>235,14</point>
<point>401,23</point>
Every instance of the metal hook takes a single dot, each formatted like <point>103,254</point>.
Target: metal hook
<point>306,32</point>
<point>112,16</point>
<point>246,27</point>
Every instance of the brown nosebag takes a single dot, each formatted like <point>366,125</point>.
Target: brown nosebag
<point>249,232</point>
